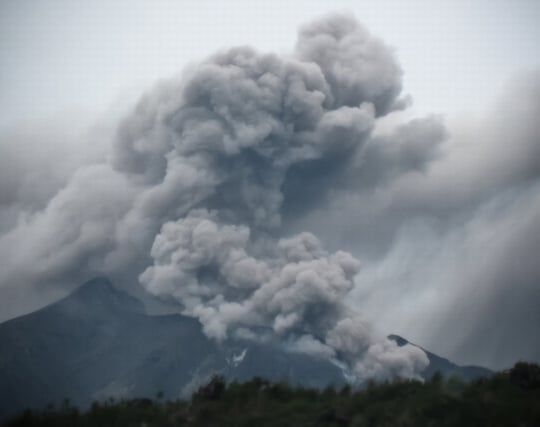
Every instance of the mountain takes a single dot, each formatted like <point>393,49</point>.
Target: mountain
<point>444,366</point>
<point>98,342</point>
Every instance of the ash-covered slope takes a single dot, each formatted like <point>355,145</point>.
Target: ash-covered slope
<point>98,342</point>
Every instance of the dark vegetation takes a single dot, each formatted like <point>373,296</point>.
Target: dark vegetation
<point>509,398</point>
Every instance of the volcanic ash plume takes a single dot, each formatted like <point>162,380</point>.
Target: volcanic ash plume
<point>207,173</point>
<point>200,192</point>
<point>298,292</point>
<point>214,154</point>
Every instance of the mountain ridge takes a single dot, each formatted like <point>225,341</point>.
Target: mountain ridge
<point>443,365</point>
<point>98,342</point>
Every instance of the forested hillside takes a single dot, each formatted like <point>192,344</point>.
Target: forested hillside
<point>510,398</point>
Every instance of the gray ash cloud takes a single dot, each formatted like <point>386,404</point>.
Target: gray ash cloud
<point>221,184</point>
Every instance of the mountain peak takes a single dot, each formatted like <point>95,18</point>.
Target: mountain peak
<point>99,292</point>
<point>97,284</point>
<point>445,366</point>
<point>94,287</point>
<point>400,341</point>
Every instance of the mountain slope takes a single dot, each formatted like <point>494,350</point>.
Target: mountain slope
<point>444,366</point>
<point>98,342</point>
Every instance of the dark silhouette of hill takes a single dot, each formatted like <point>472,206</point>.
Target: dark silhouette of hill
<point>98,342</point>
<point>505,399</point>
<point>445,366</point>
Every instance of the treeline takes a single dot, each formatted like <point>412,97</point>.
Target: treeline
<point>510,398</point>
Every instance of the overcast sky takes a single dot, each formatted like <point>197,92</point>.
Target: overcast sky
<point>57,56</point>
<point>439,202</point>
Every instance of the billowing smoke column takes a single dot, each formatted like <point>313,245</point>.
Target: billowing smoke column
<point>215,153</point>
<point>195,194</point>
<point>298,294</point>
<point>200,194</point>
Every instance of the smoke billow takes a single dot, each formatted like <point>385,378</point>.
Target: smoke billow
<point>455,242</point>
<point>218,158</point>
<point>203,175</point>
<point>299,293</point>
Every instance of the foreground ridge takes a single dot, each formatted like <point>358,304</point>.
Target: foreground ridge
<point>508,398</point>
